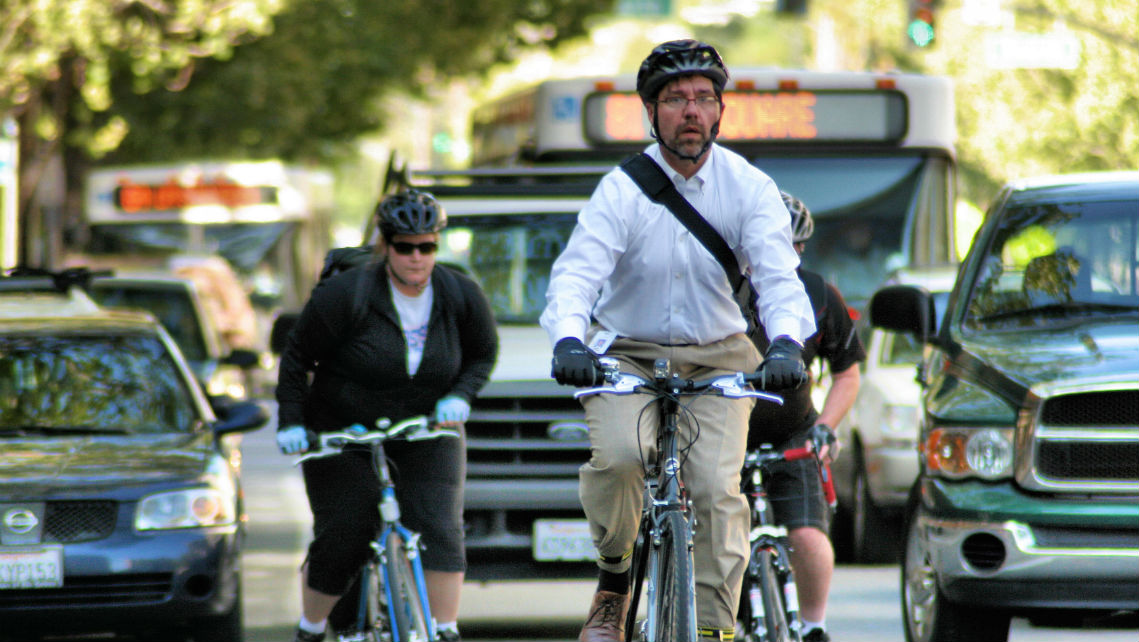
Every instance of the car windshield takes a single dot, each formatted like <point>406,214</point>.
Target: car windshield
<point>1049,263</point>
<point>172,307</point>
<point>91,383</point>
<point>510,256</point>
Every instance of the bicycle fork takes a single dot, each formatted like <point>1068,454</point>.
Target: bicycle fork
<point>389,511</point>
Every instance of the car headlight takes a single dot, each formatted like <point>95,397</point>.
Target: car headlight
<point>969,452</point>
<point>899,424</point>
<point>190,508</point>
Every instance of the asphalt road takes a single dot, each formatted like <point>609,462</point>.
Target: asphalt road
<point>863,606</point>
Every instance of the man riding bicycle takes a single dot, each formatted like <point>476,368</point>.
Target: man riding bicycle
<point>637,286</point>
<point>794,488</point>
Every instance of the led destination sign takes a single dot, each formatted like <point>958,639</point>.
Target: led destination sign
<point>136,197</point>
<point>755,115</point>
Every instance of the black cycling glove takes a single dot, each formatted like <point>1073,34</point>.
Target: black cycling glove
<point>574,364</point>
<point>783,366</point>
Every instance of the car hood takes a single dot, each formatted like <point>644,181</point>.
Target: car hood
<point>39,466</point>
<point>1010,364</point>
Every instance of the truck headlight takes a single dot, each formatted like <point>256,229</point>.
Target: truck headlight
<point>969,452</point>
<point>190,508</point>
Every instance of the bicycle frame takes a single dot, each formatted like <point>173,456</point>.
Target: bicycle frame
<point>772,608</point>
<point>332,443</point>
<point>666,497</point>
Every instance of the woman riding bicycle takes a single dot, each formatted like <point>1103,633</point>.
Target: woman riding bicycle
<point>424,344</point>
<point>632,273</point>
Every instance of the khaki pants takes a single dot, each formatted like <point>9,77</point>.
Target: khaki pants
<point>622,432</point>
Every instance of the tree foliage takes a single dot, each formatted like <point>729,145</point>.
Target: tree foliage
<point>315,82</point>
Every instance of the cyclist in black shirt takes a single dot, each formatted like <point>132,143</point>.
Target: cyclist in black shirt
<point>795,490</point>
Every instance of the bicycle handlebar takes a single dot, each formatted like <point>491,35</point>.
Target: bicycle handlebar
<point>411,429</point>
<point>818,436</point>
<point>735,386</point>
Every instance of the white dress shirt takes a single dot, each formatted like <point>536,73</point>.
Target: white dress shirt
<point>635,268</point>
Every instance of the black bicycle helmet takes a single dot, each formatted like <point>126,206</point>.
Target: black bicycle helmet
<point>802,225</point>
<point>679,58</point>
<point>410,212</point>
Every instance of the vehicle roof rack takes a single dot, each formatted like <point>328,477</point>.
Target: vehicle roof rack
<point>34,279</point>
<point>578,180</point>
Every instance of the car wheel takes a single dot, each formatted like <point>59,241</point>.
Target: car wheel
<point>228,627</point>
<point>874,537</point>
<point>927,614</point>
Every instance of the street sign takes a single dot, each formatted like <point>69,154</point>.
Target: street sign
<point>1017,50</point>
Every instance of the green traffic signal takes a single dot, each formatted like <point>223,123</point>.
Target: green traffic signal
<point>920,33</point>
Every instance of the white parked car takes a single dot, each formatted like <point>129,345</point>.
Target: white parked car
<point>879,461</point>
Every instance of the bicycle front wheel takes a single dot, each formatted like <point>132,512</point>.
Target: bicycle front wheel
<point>675,589</point>
<point>408,616</point>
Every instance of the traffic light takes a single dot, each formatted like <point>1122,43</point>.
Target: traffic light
<point>920,26</point>
<point>791,7</point>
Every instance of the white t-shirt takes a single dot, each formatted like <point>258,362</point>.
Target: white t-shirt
<point>414,312</point>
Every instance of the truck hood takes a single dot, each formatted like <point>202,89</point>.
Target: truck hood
<point>1009,365</point>
<point>524,354</point>
<point>33,467</point>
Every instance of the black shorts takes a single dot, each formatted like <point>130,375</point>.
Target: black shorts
<point>343,495</point>
<point>796,492</point>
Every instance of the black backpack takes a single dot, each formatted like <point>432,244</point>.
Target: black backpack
<point>342,259</point>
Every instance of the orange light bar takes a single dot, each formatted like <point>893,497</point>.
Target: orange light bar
<point>886,83</point>
<point>788,85</point>
<point>604,85</point>
<point>745,85</point>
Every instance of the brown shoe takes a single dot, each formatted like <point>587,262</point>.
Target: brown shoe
<point>606,621</point>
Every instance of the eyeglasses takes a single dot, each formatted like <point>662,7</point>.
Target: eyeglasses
<point>679,103</point>
<point>405,248</point>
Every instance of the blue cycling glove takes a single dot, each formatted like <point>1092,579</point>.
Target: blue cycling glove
<point>451,409</point>
<point>292,439</point>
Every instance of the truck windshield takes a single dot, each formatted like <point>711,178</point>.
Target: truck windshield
<point>510,256</point>
<point>1050,262</point>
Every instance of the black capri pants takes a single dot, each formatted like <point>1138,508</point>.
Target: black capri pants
<point>343,493</point>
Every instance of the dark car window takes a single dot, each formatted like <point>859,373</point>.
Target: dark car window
<point>1049,262</point>
<point>172,307</point>
<point>92,383</point>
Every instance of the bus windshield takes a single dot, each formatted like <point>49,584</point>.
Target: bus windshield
<point>862,208</point>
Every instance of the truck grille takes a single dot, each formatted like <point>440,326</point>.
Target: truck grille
<point>510,438</point>
<point>1087,441</point>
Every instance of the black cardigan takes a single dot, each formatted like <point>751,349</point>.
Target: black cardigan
<point>360,374</point>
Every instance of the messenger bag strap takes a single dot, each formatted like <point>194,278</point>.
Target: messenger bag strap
<point>659,188</point>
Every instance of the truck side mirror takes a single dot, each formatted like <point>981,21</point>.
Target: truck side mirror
<point>904,308</point>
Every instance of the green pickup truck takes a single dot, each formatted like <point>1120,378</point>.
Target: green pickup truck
<point>1027,501</point>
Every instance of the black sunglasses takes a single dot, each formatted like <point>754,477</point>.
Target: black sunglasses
<point>405,248</point>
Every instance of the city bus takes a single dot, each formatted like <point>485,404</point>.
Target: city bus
<point>270,221</point>
<point>871,154</point>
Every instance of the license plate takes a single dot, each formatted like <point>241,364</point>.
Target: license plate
<point>563,541</point>
<point>31,568</point>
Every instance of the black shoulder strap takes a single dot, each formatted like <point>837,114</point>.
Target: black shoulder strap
<point>659,188</point>
<point>362,294</point>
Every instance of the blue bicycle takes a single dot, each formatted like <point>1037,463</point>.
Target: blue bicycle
<point>393,600</point>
